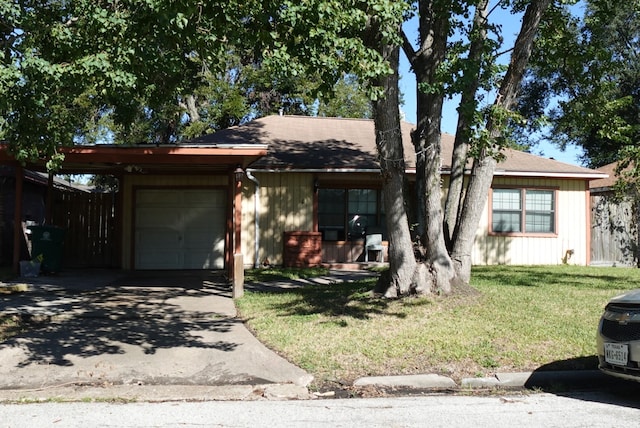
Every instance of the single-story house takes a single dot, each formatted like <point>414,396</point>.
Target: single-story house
<point>304,190</point>
<point>322,173</point>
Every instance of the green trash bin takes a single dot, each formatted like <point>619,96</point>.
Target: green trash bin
<point>46,245</point>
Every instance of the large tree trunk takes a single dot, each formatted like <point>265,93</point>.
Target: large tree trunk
<point>484,165</point>
<point>400,279</point>
<point>434,29</point>
<point>466,112</point>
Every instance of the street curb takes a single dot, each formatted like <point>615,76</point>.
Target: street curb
<point>544,380</point>
<point>569,379</point>
<point>428,381</point>
<point>156,393</point>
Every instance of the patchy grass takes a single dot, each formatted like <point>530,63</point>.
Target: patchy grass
<point>13,288</point>
<point>10,325</point>
<point>524,318</point>
<point>275,274</point>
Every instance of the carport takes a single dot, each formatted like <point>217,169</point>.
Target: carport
<point>159,184</point>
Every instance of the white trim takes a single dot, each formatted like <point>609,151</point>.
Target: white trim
<point>590,176</point>
<point>498,173</point>
<point>315,170</point>
<point>218,146</point>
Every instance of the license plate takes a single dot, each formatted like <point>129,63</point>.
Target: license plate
<point>616,353</point>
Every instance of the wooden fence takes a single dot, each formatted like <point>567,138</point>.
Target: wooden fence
<point>614,231</point>
<point>91,238</point>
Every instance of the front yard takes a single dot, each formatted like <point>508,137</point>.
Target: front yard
<point>524,318</point>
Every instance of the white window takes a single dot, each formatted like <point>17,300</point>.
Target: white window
<point>509,214</point>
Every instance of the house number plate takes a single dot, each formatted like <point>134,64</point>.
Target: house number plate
<point>616,353</point>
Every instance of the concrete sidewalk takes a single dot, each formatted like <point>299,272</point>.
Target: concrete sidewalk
<point>132,333</point>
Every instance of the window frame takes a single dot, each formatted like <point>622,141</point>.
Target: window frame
<point>379,214</point>
<point>523,210</point>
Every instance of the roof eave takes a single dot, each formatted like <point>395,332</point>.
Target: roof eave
<point>529,174</point>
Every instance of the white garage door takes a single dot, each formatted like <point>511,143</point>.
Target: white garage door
<point>180,229</point>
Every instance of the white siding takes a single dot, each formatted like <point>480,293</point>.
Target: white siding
<point>572,230</point>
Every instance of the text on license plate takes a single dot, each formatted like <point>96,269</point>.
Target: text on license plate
<point>616,353</point>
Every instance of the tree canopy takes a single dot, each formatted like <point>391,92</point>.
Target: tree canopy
<point>583,87</point>
<point>142,71</point>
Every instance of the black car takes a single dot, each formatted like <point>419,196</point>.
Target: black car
<point>619,337</point>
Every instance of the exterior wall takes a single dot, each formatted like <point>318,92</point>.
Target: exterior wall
<point>128,185</point>
<point>286,201</point>
<point>285,204</point>
<point>572,216</point>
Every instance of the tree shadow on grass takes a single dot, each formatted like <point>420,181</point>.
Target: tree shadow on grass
<point>533,276</point>
<point>349,299</point>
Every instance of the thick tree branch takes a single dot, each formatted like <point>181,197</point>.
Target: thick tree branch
<point>407,48</point>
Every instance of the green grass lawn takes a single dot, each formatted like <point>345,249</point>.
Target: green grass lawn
<point>524,318</point>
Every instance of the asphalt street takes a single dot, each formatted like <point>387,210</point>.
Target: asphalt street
<point>593,409</point>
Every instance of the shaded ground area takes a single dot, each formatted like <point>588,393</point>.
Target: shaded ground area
<point>107,328</point>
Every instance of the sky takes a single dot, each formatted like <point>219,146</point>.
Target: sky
<point>511,26</point>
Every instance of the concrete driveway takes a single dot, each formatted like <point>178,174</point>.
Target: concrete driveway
<point>111,328</point>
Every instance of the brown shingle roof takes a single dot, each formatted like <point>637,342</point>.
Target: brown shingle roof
<point>302,142</point>
<point>610,170</point>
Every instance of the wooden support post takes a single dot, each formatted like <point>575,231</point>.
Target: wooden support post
<point>18,234</point>
<point>238,259</point>
<point>49,201</point>
<point>316,188</point>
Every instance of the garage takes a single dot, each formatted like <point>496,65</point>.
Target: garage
<point>180,228</point>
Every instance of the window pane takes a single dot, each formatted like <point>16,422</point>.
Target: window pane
<point>363,201</point>
<point>507,211</point>
<point>537,222</point>
<point>331,212</point>
<point>363,204</point>
<point>540,211</point>
<point>331,207</point>
<point>506,199</point>
<point>539,200</point>
<point>506,221</point>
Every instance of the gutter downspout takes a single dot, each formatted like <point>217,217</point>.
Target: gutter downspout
<point>256,213</point>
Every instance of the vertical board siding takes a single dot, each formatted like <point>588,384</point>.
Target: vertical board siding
<point>286,204</point>
<point>572,218</point>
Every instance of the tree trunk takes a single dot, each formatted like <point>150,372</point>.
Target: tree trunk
<point>484,165</point>
<point>434,28</point>
<point>400,279</point>
<point>468,106</point>
<point>192,108</point>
